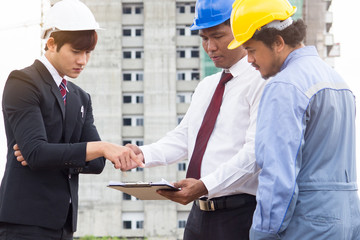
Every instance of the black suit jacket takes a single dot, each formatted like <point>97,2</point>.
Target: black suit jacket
<point>52,139</point>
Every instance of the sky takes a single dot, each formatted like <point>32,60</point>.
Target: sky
<point>20,45</point>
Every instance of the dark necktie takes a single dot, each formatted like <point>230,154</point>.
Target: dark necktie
<point>62,88</point>
<point>206,128</point>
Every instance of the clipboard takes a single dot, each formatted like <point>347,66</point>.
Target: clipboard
<point>143,190</point>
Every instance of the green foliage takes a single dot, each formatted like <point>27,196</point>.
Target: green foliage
<point>87,237</point>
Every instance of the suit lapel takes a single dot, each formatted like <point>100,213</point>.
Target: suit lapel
<point>73,111</point>
<point>45,74</point>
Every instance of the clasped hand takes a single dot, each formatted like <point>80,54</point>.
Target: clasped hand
<point>122,157</point>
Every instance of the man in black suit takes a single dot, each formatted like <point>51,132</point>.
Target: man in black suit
<point>51,121</point>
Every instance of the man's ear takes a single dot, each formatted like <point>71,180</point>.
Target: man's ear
<point>50,43</point>
<point>279,44</point>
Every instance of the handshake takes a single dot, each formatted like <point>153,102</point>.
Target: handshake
<point>123,157</point>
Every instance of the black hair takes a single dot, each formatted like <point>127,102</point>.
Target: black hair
<point>292,35</point>
<point>79,40</point>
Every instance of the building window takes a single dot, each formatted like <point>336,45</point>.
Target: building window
<point>194,32</point>
<point>181,223</point>
<point>185,8</point>
<point>138,54</point>
<point>181,54</point>
<point>133,76</point>
<point>127,224</point>
<point>181,98</point>
<point>192,52</point>
<point>126,54</point>
<point>132,31</point>
<point>139,99</point>
<point>138,32</point>
<point>195,53</point>
<point>127,121</point>
<point>139,224</point>
<point>126,32</point>
<point>126,10</point>
<point>181,9</point>
<point>138,10</point>
<point>139,77</point>
<point>179,119</point>
<point>126,196</point>
<point>129,8</point>
<point>188,75</point>
<point>133,220</point>
<point>126,99</point>
<point>133,121</point>
<point>181,76</point>
<point>195,76</point>
<point>184,97</point>
<point>139,122</point>
<point>134,98</point>
<point>181,167</point>
<point>138,142</point>
<point>181,31</point>
<point>133,53</point>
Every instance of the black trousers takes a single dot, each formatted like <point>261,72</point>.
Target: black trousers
<point>9,231</point>
<point>222,224</point>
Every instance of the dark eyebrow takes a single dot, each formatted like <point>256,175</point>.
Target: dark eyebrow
<point>213,34</point>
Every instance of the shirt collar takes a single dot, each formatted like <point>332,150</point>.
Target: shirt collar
<point>303,51</point>
<point>235,70</point>
<point>54,73</point>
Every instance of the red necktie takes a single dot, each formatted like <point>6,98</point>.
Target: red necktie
<point>207,127</point>
<point>62,88</point>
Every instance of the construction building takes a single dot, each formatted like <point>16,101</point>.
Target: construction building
<point>141,78</point>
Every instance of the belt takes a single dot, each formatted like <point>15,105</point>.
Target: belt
<point>226,202</point>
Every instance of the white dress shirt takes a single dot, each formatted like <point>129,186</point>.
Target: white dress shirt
<point>228,166</point>
<point>54,73</point>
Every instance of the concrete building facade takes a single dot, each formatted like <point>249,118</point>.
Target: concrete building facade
<point>141,78</point>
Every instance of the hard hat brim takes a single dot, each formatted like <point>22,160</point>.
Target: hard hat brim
<point>234,44</point>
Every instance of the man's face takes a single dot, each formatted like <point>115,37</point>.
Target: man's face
<point>263,58</point>
<point>215,41</point>
<point>69,61</point>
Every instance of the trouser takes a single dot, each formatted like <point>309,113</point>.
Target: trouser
<point>228,218</point>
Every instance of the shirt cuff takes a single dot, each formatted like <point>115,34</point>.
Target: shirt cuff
<point>257,235</point>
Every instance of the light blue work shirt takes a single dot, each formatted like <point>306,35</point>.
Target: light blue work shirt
<point>305,145</point>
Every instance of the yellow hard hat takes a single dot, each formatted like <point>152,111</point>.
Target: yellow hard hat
<point>249,15</point>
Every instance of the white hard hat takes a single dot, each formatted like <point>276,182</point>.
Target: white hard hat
<point>68,15</point>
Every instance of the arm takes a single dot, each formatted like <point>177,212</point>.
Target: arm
<point>25,123</point>
<point>89,133</point>
<point>279,138</point>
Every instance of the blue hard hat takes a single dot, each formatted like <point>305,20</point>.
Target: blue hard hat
<point>209,13</point>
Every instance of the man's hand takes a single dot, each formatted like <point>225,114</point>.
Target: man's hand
<point>19,156</point>
<point>137,151</point>
<point>122,157</point>
<point>191,189</point>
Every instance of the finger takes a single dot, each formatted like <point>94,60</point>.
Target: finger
<point>135,158</point>
<point>16,147</point>
<point>17,153</point>
<point>117,163</point>
<point>20,158</point>
<point>24,163</point>
<point>123,161</point>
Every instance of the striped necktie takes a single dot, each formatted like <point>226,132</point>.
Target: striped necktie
<point>62,88</point>
<point>207,126</point>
